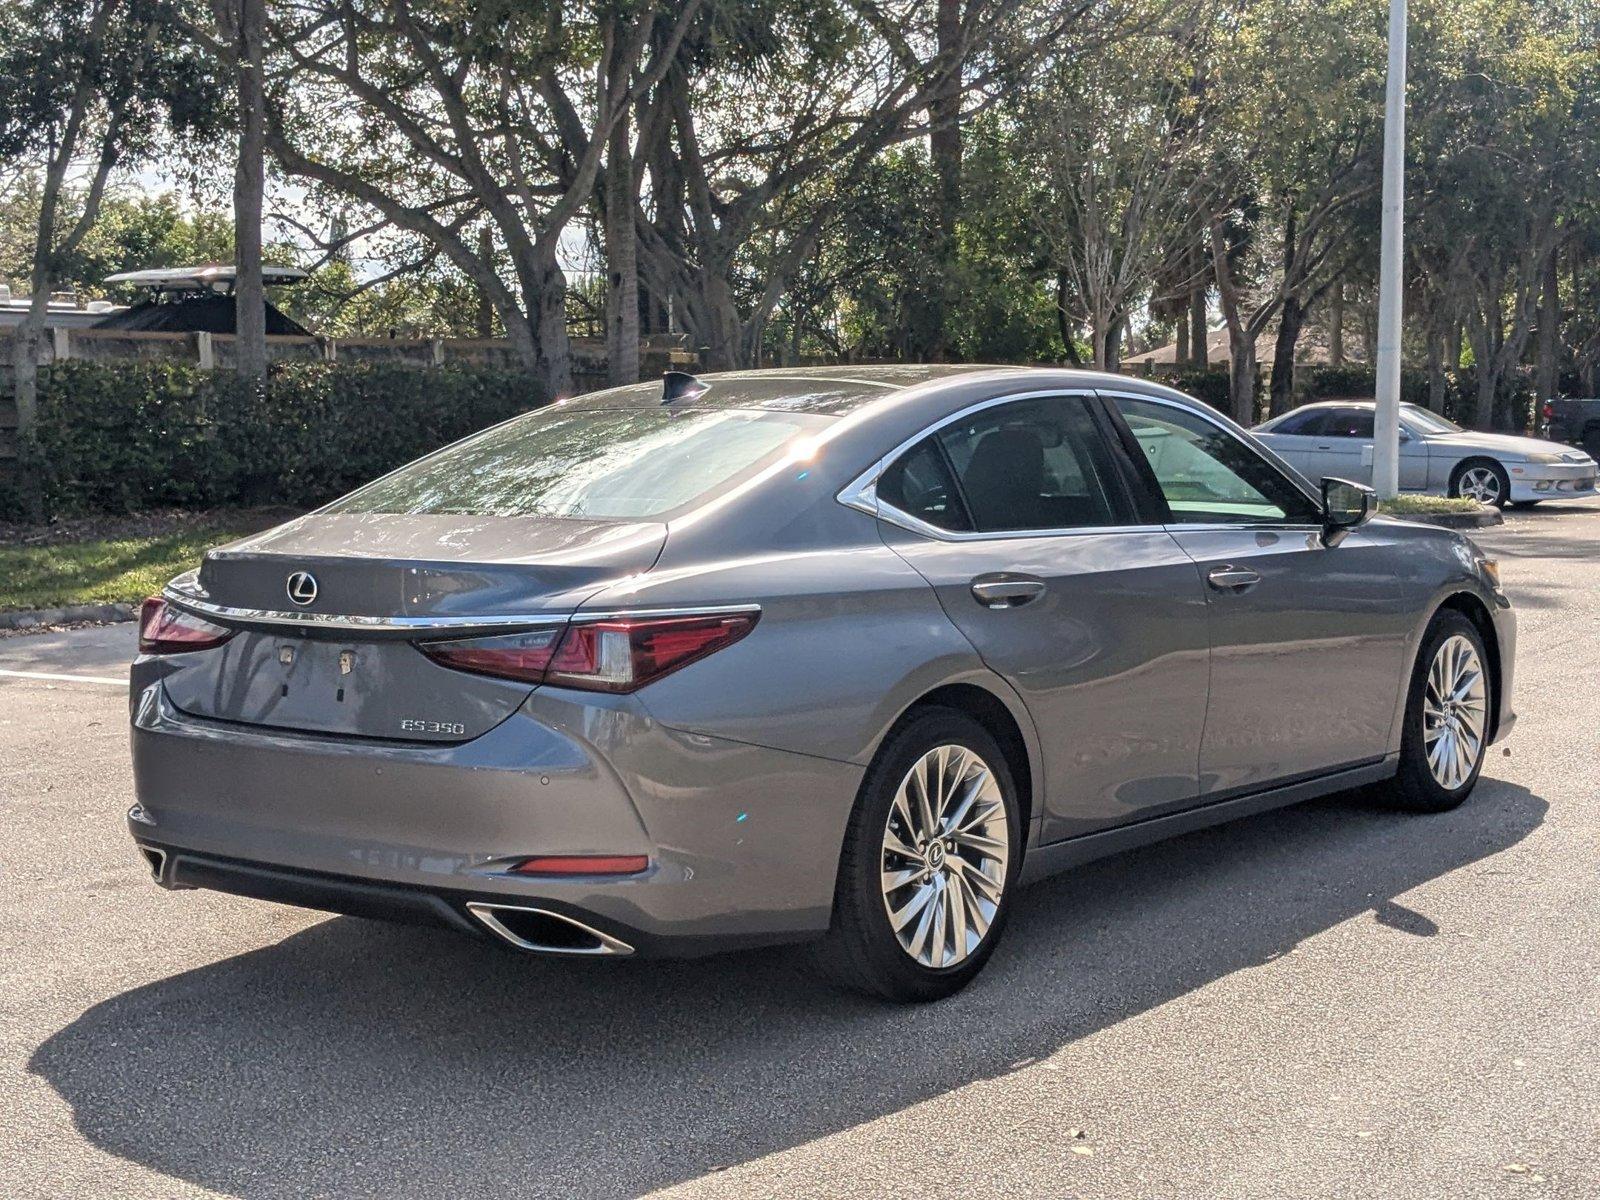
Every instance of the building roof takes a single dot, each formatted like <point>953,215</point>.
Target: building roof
<point>205,277</point>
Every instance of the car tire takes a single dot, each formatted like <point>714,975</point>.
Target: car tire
<point>1430,778</point>
<point>1478,475</point>
<point>934,953</point>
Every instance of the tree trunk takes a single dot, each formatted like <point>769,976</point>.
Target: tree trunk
<point>1336,326</point>
<point>249,182</point>
<point>1437,384</point>
<point>1180,348</point>
<point>485,321</point>
<point>547,317</point>
<point>1111,357</point>
<point>25,346</point>
<point>1549,324</point>
<point>1483,369</point>
<point>1290,322</point>
<point>1069,344</point>
<point>1241,336</point>
<point>1483,416</point>
<point>944,148</point>
<point>1199,328</point>
<point>722,322</point>
<point>25,391</point>
<point>1242,380</point>
<point>622,264</point>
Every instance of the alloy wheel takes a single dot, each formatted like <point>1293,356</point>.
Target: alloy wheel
<point>946,847</point>
<point>1454,712</point>
<point>1479,483</point>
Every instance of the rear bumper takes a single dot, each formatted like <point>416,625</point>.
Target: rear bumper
<point>743,841</point>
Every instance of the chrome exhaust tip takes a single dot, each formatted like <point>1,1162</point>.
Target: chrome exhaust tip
<point>545,932</point>
<point>157,862</point>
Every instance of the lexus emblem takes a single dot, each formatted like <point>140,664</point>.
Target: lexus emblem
<point>302,588</point>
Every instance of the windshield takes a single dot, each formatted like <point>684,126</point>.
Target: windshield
<point>1428,421</point>
<point>620,464</point>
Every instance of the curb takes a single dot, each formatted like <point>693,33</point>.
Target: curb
<point>40,617</point>
<point>1486,516</point>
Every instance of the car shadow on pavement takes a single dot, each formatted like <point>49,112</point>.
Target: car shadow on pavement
<point>360,1059</point>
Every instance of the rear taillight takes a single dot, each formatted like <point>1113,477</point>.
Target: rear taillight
<point>1549,410</point>
<point>164,629</point>
<point>620,654</point>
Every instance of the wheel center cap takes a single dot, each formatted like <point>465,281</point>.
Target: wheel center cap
<point>934,855</point>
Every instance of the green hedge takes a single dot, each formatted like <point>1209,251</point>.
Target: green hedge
<point>118,437</point>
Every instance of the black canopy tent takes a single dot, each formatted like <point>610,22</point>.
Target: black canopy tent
<point>197,300</point>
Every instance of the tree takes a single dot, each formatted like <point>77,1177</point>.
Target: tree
<point>441,118</point>
<point>1121,172</point>
<point>243,25</point>
<point>1299,85</point>
<point>1504,155</point>
<point>87,86</point>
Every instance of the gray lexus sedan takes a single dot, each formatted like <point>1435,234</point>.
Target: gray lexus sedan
<point>844,655</point>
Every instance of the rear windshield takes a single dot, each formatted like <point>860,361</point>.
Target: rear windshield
<point>622,464</point>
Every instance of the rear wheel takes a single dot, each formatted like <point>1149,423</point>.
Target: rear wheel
<point>1483,480</point>
<point>929,863</point>
<point>1446,731</point>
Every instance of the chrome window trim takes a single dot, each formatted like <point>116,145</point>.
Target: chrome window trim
<point>861,493</point>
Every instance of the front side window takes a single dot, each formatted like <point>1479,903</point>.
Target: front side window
<point>1209,476</point>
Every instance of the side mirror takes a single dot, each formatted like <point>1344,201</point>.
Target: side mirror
<point>1345,506</point>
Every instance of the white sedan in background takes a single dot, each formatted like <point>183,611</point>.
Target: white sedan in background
<point>1334,440</point>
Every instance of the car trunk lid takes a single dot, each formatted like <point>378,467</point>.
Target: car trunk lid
<point>335,655</point>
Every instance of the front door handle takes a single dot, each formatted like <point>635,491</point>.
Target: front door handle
<point>1232,579</point>
<point>999,592</point>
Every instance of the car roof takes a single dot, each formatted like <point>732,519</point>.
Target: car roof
<point>836,391</point>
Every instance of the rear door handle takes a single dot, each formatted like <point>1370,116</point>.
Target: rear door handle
<point>1232,579</point>
<point>992,592</point>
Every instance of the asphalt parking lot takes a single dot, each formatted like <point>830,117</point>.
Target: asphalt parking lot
<point>1328,1001</point>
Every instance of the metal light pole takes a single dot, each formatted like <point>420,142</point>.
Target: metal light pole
<point>1386,426</point>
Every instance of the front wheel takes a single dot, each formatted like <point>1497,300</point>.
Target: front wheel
<point>1483,480</point>
<point>929,863</point>
<point>1446,734</point>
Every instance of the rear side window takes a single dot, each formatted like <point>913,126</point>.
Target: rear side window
<point>1030,464</point>
<point>1349,423</point>
<point>920,485</point>
<point>1302,424</point>
<point>621,464</point>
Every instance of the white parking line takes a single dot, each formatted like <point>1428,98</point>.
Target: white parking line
<point>64,678</point>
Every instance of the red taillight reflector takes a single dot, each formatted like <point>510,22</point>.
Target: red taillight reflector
<point>620,654</point>
<point>582,864</point>
<point>521,656</point>
<point>164,629</point>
